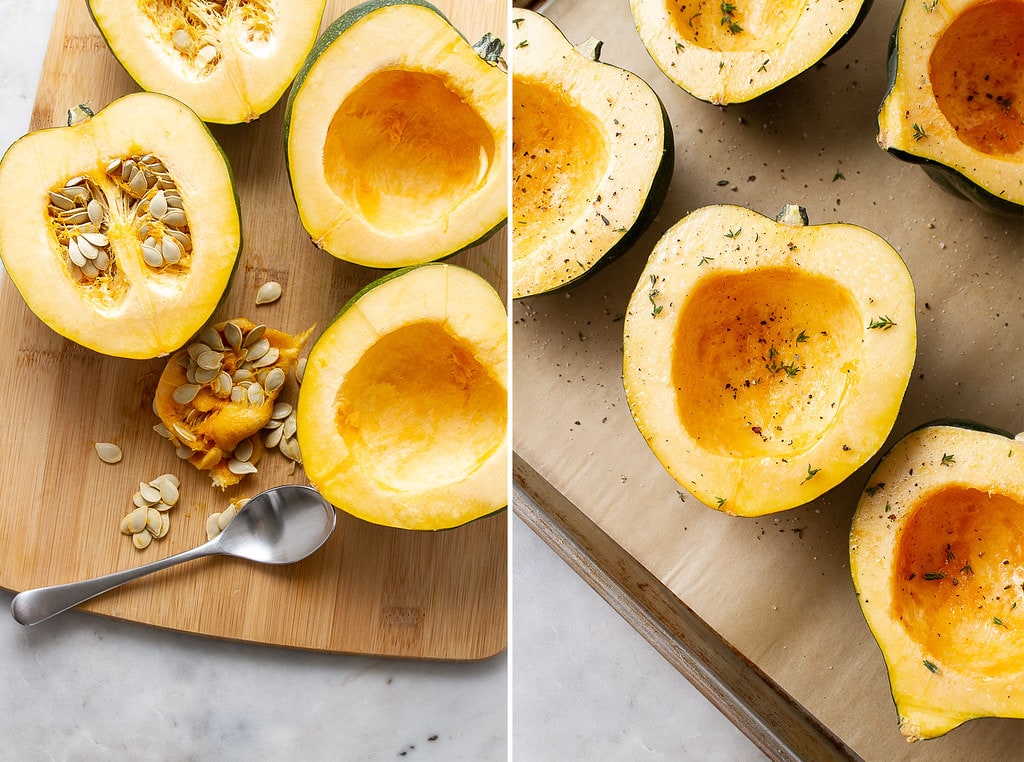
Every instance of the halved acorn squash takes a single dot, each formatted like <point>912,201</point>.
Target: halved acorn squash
<point>937,558</point>
<point>395,137</point>
<point>228,61</point>
<point>592,157</point>
<point>955,102</point>
<point>403,408</point>
<point>121,231</point>
<point>724,51</point>
<point>765,361</point>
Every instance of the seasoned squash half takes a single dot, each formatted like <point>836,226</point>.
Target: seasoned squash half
<point>121,231</point>
<point>395,137</point>
<point>729,52</point>
<point>592,157</point>
<point>937,558</point>
<point>402,413</point>
<point>229,61</point>
<point>765,361</point>
<point>955,103</point>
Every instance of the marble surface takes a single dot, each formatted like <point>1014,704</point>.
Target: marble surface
<point>586,685</point>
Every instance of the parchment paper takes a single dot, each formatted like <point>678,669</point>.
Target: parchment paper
<point>778,587</point>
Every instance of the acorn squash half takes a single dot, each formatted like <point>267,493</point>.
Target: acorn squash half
<point>955,101</point>
<point>592,157</point>
<point>121,231</point>
<point>765,361</point>
<point>937,559</point>
<point>403,408</point>
<point>395,137</point>
<point>229,61</point>
<point>731,51</point>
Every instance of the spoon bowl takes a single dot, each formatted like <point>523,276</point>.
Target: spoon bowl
<point>279,526</point>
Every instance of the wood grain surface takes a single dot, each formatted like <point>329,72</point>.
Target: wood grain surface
<point>370,590</point>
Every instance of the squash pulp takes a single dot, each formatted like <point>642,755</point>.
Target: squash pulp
<point>937,558</point>
<point>403,409</point>
<point>765,361</point>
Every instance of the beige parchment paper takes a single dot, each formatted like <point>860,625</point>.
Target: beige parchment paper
<point>778,588</point>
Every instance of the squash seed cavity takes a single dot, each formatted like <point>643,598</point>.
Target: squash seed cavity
<point>134,193</point>
<point>198,29</point>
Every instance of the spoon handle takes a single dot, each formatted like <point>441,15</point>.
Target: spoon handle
<point>34,606</point>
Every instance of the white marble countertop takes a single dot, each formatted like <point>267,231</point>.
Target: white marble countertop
<point>586,685</point>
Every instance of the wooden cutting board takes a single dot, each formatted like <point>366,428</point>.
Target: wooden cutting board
<point>370,590</point>
<point>771,598</point>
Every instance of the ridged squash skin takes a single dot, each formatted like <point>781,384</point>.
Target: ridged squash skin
<point>403,409</point>
<point>229,64</point>
<point>732,52</point>
<point>937,559</point>
<point>954,100</point>
<point>765,361</point>
<point>134,310</point>
<point>592,157</point>
<point>395,137</point>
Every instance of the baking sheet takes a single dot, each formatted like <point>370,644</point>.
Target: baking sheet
<point>777,588</point>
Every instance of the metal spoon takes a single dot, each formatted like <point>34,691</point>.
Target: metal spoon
<point>279,526</point>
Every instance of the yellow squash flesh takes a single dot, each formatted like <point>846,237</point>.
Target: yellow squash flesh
<point>937,558</point>
<point>764,362</point>
<point>402,413</point>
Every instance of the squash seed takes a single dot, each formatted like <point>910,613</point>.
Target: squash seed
<point>95,211</point>
<point>273,437</point>
<point>241,467</point>
<point>61,201</point>
<point>210,360</point>
<point>268,292</point>
<point>108,452</point>
<point>142,539</point>
<point>233,334</point>
<point>210,336</point>
<point>244,450</point>
<point>151,256</point>
<point>255,335</point>
<point>185,393</point>
<point>275,380</point>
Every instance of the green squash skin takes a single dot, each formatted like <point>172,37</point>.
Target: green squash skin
<point>338,27</point>
<point>652,205</point>
<point>945,177</point>
<point>347,306</point>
